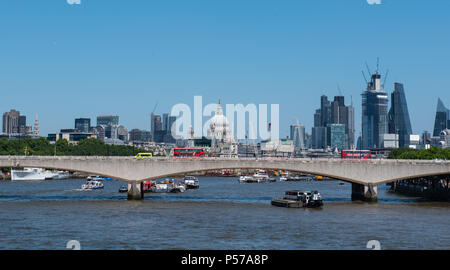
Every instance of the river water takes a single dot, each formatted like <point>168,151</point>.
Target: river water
<point>222,214</point>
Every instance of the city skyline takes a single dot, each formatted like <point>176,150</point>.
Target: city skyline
<point>82,63</point>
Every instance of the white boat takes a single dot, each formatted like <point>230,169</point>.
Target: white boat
<point>28,174</point>
<point>92,184</point>
<point>56,175</point>
<point>259,177</point>
<point>191,182</point>
<point>98,178</point>
<point>294,177</point>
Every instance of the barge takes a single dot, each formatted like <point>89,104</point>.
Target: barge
<point>299,199</point>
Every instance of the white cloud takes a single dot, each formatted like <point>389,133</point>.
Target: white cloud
<point>76,2</point>
<point>374,2</point>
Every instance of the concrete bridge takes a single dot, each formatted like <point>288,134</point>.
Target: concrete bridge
<point>364,175</point>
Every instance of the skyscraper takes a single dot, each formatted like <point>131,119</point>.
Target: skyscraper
<point>399,122</point>
<point>335,112</point>
<point>11,122</point>
<point>374,113</point>
<point>298,136</point>
<point>336,136</point>
<point>442,118</point>
<point>156,127</point>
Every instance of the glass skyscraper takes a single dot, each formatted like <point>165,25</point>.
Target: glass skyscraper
<point>298,136</point>
<point>335,112</point>
<point>399,122</point>
<point>336,136</point>
<point>374,114</point>
<point>442,118</point>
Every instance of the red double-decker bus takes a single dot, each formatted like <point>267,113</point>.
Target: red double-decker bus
<point>356,154</point>
<point>188,152</point>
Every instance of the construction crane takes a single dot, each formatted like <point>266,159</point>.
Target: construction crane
<point>156,105</point>
<point>364,75</point>
<point>385,78</point>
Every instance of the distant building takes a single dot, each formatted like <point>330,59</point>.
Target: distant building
<point>414,141</point>
<point>11,122</point>
<point>277,148</point>
<point>442,118</point>
<point>83,124</point>
<point>336,136</point>
<point>390,141</point>
<point>335,112</point>
<point>71,135</point>
<point>445,138</point>
<point>108,120</point>
<point>161,128</point>
<point>99,131</point>
<point>399,122</point>
<point>298,136</point>
<point>319,138</point>
<point>374,113</point>
<point>137,135</point>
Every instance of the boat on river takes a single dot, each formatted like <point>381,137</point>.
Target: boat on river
<point>260,176</point>
<point>191,182</point>
<point>28,174</point>
<point>92,184</point>
<point>165,186</point>
<point>299,199</point>
<point>123,189</point>
<point>295,177</point>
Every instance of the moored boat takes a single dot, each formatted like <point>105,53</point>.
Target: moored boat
<point>28,174</point>
<point>191,182</point>
<point>299,199</point>
<point>260,176</point>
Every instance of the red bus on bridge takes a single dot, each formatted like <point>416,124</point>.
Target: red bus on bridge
<point>188,152</point>
<point>356,154</point>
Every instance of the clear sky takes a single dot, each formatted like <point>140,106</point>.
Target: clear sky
<point>121,57</point>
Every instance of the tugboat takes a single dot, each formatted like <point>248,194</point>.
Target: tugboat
<point>191,182</point>
<point>299,199</point>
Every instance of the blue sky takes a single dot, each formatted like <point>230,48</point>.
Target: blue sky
<point>121,57</point>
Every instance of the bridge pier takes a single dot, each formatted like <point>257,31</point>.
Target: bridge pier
<point>135,191</point>
<point>366,193</point>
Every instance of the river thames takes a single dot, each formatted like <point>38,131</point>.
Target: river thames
<point>223,214</point>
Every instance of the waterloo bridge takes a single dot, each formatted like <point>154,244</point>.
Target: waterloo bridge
<point>365,175</point>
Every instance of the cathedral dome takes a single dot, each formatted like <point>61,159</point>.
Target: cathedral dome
<point>219,128</point>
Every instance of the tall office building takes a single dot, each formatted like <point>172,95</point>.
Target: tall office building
<point>335,112</point>
<point>344,114</point>
<point>11,122</point>
<point>298,136</point>
<point>156,127</point>
<point>325,111</point>
<point>374,113</point>
<point>442,118</point>
<point>107,120</point>
<point>83,124</point>
<point>399,122</point>
<point>336,136</point>
<point>165,121</point>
